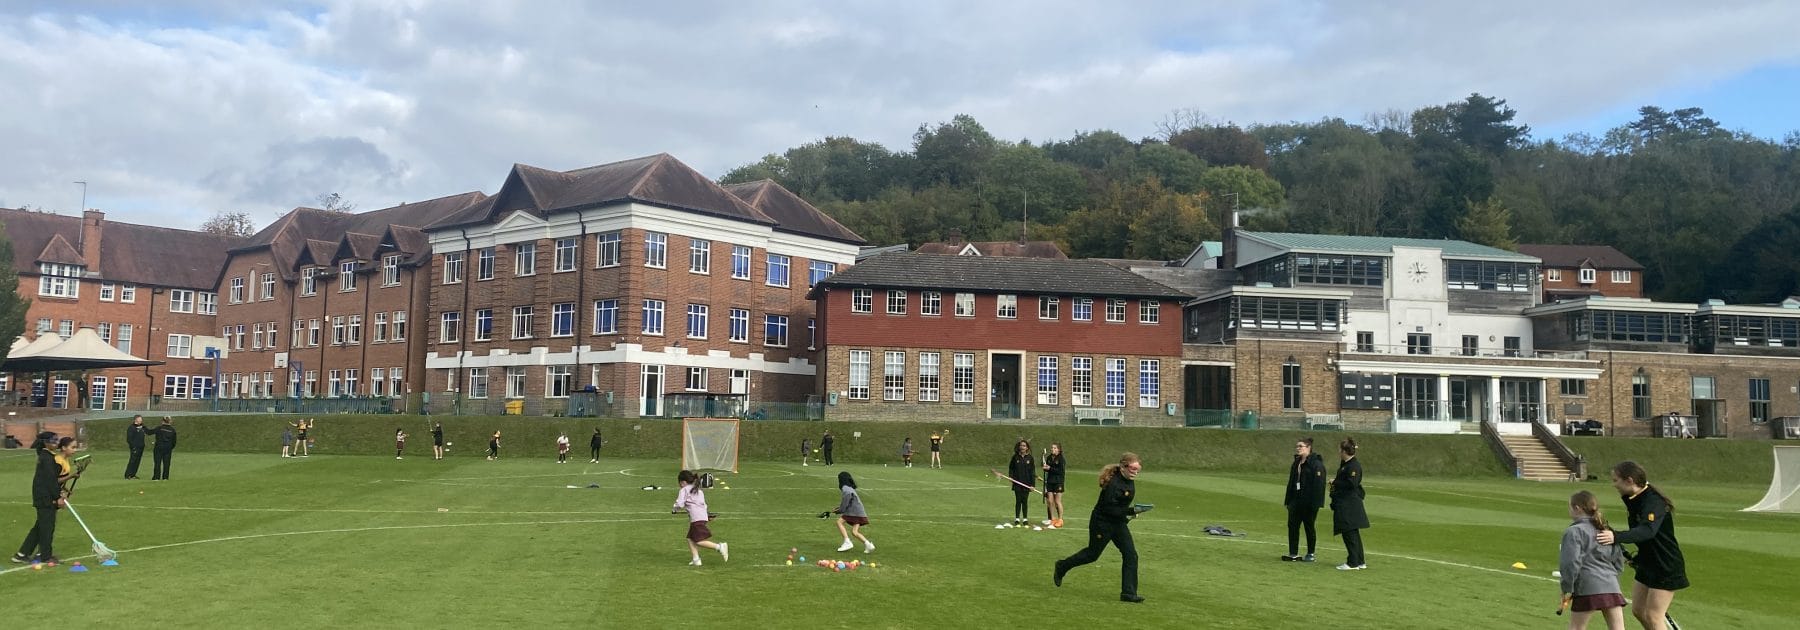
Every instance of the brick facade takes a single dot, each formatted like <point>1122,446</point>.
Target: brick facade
<point>1034,408</point>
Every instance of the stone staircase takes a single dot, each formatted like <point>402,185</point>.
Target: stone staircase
<point>1536,462</point>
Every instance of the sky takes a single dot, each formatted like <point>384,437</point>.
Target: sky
<point>176,110</point>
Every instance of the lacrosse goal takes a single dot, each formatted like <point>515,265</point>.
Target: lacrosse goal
<point>709,444</point>
<point>1784,486</point>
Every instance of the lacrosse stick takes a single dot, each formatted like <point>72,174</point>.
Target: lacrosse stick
<point>1016,482</point>
<point>80,465</point>
<point>1564,606</point>
<point>101,551</point>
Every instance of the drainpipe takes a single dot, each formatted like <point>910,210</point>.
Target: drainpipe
<point>462,341</point>
<point>324,322</point>
<point>580,296</point>
<point>362,341</point>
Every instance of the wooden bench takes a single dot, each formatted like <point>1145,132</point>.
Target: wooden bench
<point>1317,420</point>
<point>1099,416</point>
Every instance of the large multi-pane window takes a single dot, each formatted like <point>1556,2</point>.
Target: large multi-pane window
<point>775,331</point>
<point>449,329</point>
<point>478,382</point>
<point>1149,383</point>
<point>1748,330</point>
<point>740,325</point>
<point>1081,381</point>
<point>521,321</point>
<point>893,376</point>
<point>818,271</point>
<point>566,253</point>
<point>896,302</point>
<point>525,259</point>
<point>1640,396</point>
<point>1759,400</point>
<point>656,250</point>
<point>515,382</point>
<point>696,321</point>
<point>484,264</point>
<point>606,249</point>
<point>559,380</point>
<point>778,270</point>
<point>59,280</point>
<point>1115,310</point>
<point>929,363</point>
<point>453,268</point>
<point>124,341</point>
<point>562,319</point>
<point>1290,385</point>
<point>1115,382</point>
<point>1082,309</point>
<point>1336,269</point>
<point>931,303</point>
<point>653,317</point>
<point>1149,311</point>
<point>696,379</point>
<point>180,346</point>
<point>862,300</point>
<point>309,278</point>
<point>740,262</point>
<point>209,303</point>
<point>606,317</point>
<point>381,328</point>
<point>347,276</point>
<point>1049,308</point>
<point>484,324</point>
<point>181,301</point>
<point>355,329</point>
<point>107,291</point>
<point>1601,325</point>
<point>399,326</point>
<point>1046,380</point>
<point>313,332</point>
<point>1490,275</point>
<point>965,305</point>
<point>962,378</point>
<point>390,276</point>
<point>699,256</point>
<point>236,294</point>
<point>859,375</point>
<point>1006,306</point>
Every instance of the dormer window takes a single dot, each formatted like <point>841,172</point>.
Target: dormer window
<point>59,280</point>
<point>347,276</point>
<point>1589,275</point>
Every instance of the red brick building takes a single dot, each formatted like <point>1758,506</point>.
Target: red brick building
<point>663,291</point>
<point>146,290</point>
<point>1572,272</point>
<point>324,304</point>
<point>964,338</point>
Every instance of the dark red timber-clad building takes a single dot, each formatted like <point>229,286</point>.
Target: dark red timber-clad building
<point>912,336</point>
<point>641,286</point>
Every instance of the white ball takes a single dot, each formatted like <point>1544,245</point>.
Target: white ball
<point>1001,526</point>
<point>1036,528</point>
<point>1556,574</point>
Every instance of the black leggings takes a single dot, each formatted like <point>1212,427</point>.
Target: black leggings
<point>1354,546</point>
<point>596,453</point>
<point>1021,507</point>
<point>1298,517</point>
<point>42,535</point>
<point>1099,534</point>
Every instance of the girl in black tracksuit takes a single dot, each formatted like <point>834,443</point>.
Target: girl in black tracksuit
<point>1023,470</point>
<point>46,499</point>
<point>1305,495</point>
<point>1111,523</point>
<point>1660,568</point>
<point>1054,475</point>
<point>1348,518</point>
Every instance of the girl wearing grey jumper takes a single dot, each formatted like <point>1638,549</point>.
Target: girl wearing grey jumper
<point>1590,570</point>
<point>850,511</point>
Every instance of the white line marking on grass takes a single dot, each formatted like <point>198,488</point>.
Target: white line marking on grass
<point>344,511</point>
<point>493,477</point>
<point>1371,553</point>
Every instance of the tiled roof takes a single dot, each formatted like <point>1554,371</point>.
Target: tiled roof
<point>659,180</point>
<point>1600,256</point>
<point>1338,243</point>
<point>1032,276</point>
<point>1013,249</point>
<point>129,253</point>
<point>322,233</point>
<point>58,250</point>
<point>791,213</point>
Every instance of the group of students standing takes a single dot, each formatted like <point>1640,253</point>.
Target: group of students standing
<point>1305,496</point>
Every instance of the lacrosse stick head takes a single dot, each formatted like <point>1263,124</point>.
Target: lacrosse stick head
<point>104,553</point>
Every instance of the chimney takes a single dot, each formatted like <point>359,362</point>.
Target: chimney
<point>955,237</point>
<point>1228,248</point>
<point>91,221</point>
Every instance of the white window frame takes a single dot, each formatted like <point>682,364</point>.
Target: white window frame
<point>515,381</point>
<point>781,262</point>
<point>896,302</point>
<point>893,376</point>
<point>965,305</point>
<point>656,250</point>
<point>606,316</point>
<point>559,380</point>
<point>1115,310</point>
<point>1621,276</point>
<point>453,268</point>
<point>700,256</point>
<point>817,271</point>
<point>181,346</point>
<point>478,383</point>
<point>862,300</point>
<point>1149,383</point>
<point>236,294</point>
<point>563,259</point>
<point>739,326</point>
<point>775,324</point>
<point>124,341</point>
<point>697,321</point>
<point>107,291</point>
<point>1115,396</point>
<point>930,376</point>
<point>562,319</point>
<point>858,384</point>
<point>347,276</point>
<point>1149,312</point>
<point>380,328</point>
<point>654,311</point>
<point>1553,275</point>
<point>696,379</point>
<point>1047,381</point>
<point>485,261</point>
<point>931,303</point>
<point>524,259</point>
<point>449,327</point>
<point>1589,275</point>
<point>607,250</point>
<point>181,300</point>
<point>740,262</point>
<point>127,295</point>
<point>1049,308</point>
<point>484,325</point>
<point>962,378</point>
<point>390,274</point>
<point>1006,306</point>
<point>208,303</point>
<point>523,324</point>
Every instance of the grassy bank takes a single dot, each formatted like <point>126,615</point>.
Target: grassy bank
<point>1712,461</point>
<point>879,442</point>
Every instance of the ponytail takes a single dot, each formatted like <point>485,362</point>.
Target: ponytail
<point>1589,506</point>
<point>1112,470</point>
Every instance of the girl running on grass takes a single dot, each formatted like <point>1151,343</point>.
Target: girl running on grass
<point>494,447</point>
<point>1110,522</point>
<point>1660,568</point>
<point>399,442</point>
<point>693,499</point>
<point>1590,570</point>
<point>850,511</point>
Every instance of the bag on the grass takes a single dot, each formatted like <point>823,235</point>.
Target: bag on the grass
<point>1218,530</point>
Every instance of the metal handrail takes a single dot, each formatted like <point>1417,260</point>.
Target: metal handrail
<point>1576,464</point>
<point>1491,434</point>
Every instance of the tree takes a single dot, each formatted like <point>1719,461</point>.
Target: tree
<point>1483,124</point>
<point>12,305</point>
<point>229,224</point>
<point>1021,174</point>
<point>1170,226</point>
<point>335,202</point>
<point>1761,267</point>
<point>1223,145</point>
<point>771,166</point>
<point>953,153</point>
<point>1487,223</point>
<point>1177,169</point>
<point>1092,150</point>
<point>1238,187</point>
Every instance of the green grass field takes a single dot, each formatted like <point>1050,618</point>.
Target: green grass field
<point>339,540</point>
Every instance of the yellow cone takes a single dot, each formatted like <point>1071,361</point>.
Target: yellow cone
<point>1519,565</point>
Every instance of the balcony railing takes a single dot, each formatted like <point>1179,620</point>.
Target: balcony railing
<point>1454,351</point>
<point>1507,412</point>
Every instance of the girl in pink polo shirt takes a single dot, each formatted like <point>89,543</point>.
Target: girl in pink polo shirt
<point>693,499</point>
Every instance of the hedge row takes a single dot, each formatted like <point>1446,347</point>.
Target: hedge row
<point>858,442</point>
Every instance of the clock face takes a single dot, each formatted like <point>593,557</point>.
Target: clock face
<point>1419,272</point>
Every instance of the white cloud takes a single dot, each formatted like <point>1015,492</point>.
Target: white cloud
<point>194,107</point>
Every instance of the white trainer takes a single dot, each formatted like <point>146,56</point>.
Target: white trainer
<point>846,546</point>
<point>725,552</point>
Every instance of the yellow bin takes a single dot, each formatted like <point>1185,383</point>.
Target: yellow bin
<point>515,407</point>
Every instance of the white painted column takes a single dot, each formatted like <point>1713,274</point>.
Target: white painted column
<point>1543,412</point>
<point>1443,397</point>
<point>1494,398</point>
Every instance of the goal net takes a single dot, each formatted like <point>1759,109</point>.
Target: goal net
<point>1784,487</point>
<point>709,444</point>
